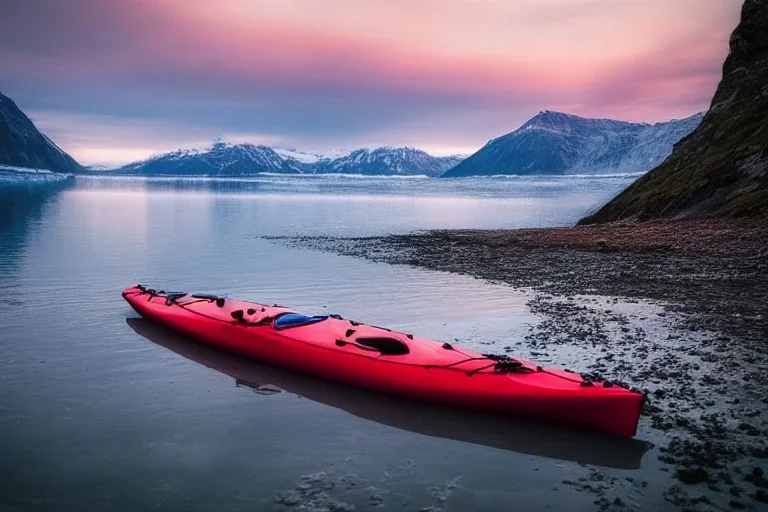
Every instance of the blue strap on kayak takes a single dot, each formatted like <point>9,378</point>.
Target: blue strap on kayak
<point>289,320</point>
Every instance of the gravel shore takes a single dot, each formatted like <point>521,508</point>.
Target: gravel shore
<point>717,270</point>
<point>679,309</point>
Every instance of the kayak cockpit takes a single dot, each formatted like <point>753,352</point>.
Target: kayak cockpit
<point>385,346</point>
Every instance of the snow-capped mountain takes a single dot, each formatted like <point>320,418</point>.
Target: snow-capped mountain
<point>387,161</point>
<point>221,159</point>
<point>224,159</point>
<point>22,144</point>
<point>557,143</point>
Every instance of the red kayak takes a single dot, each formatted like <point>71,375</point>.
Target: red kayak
<point>385,361</point>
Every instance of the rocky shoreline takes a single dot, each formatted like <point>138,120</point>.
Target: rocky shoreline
<point>714,269</point>
<point>679,309</point>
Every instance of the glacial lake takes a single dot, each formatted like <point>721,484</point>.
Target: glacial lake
<point>101,411</point>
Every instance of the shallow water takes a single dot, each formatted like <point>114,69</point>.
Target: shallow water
<point>101,413</point>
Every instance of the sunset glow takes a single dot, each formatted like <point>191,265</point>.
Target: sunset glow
<point>115,81</point>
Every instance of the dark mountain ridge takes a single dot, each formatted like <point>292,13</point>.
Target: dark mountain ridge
<point>721,168</point>
<point>22,144</point>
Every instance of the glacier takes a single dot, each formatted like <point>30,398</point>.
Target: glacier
<point>15,178</point>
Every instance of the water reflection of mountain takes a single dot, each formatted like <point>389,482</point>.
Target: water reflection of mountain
<point>524,437</point>
<point>20,208</point>
<point>595,187</point>
<point>252,184</point>
<point>172,184</point>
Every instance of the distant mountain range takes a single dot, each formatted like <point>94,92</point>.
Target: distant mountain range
<point>224,159</point>
<point>22,144</point>
<point>387,160</point>
<point>557,143</point>
<point>549,143</point>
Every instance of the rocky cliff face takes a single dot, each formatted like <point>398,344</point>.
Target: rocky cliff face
<point>22,145</point>
<point>721,169</point>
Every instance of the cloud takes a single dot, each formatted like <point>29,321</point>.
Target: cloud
<point>343,72</point>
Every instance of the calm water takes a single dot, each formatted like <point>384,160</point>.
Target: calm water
<point>99,411</point>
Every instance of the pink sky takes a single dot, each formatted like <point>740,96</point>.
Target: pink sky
<point>114,81</point>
